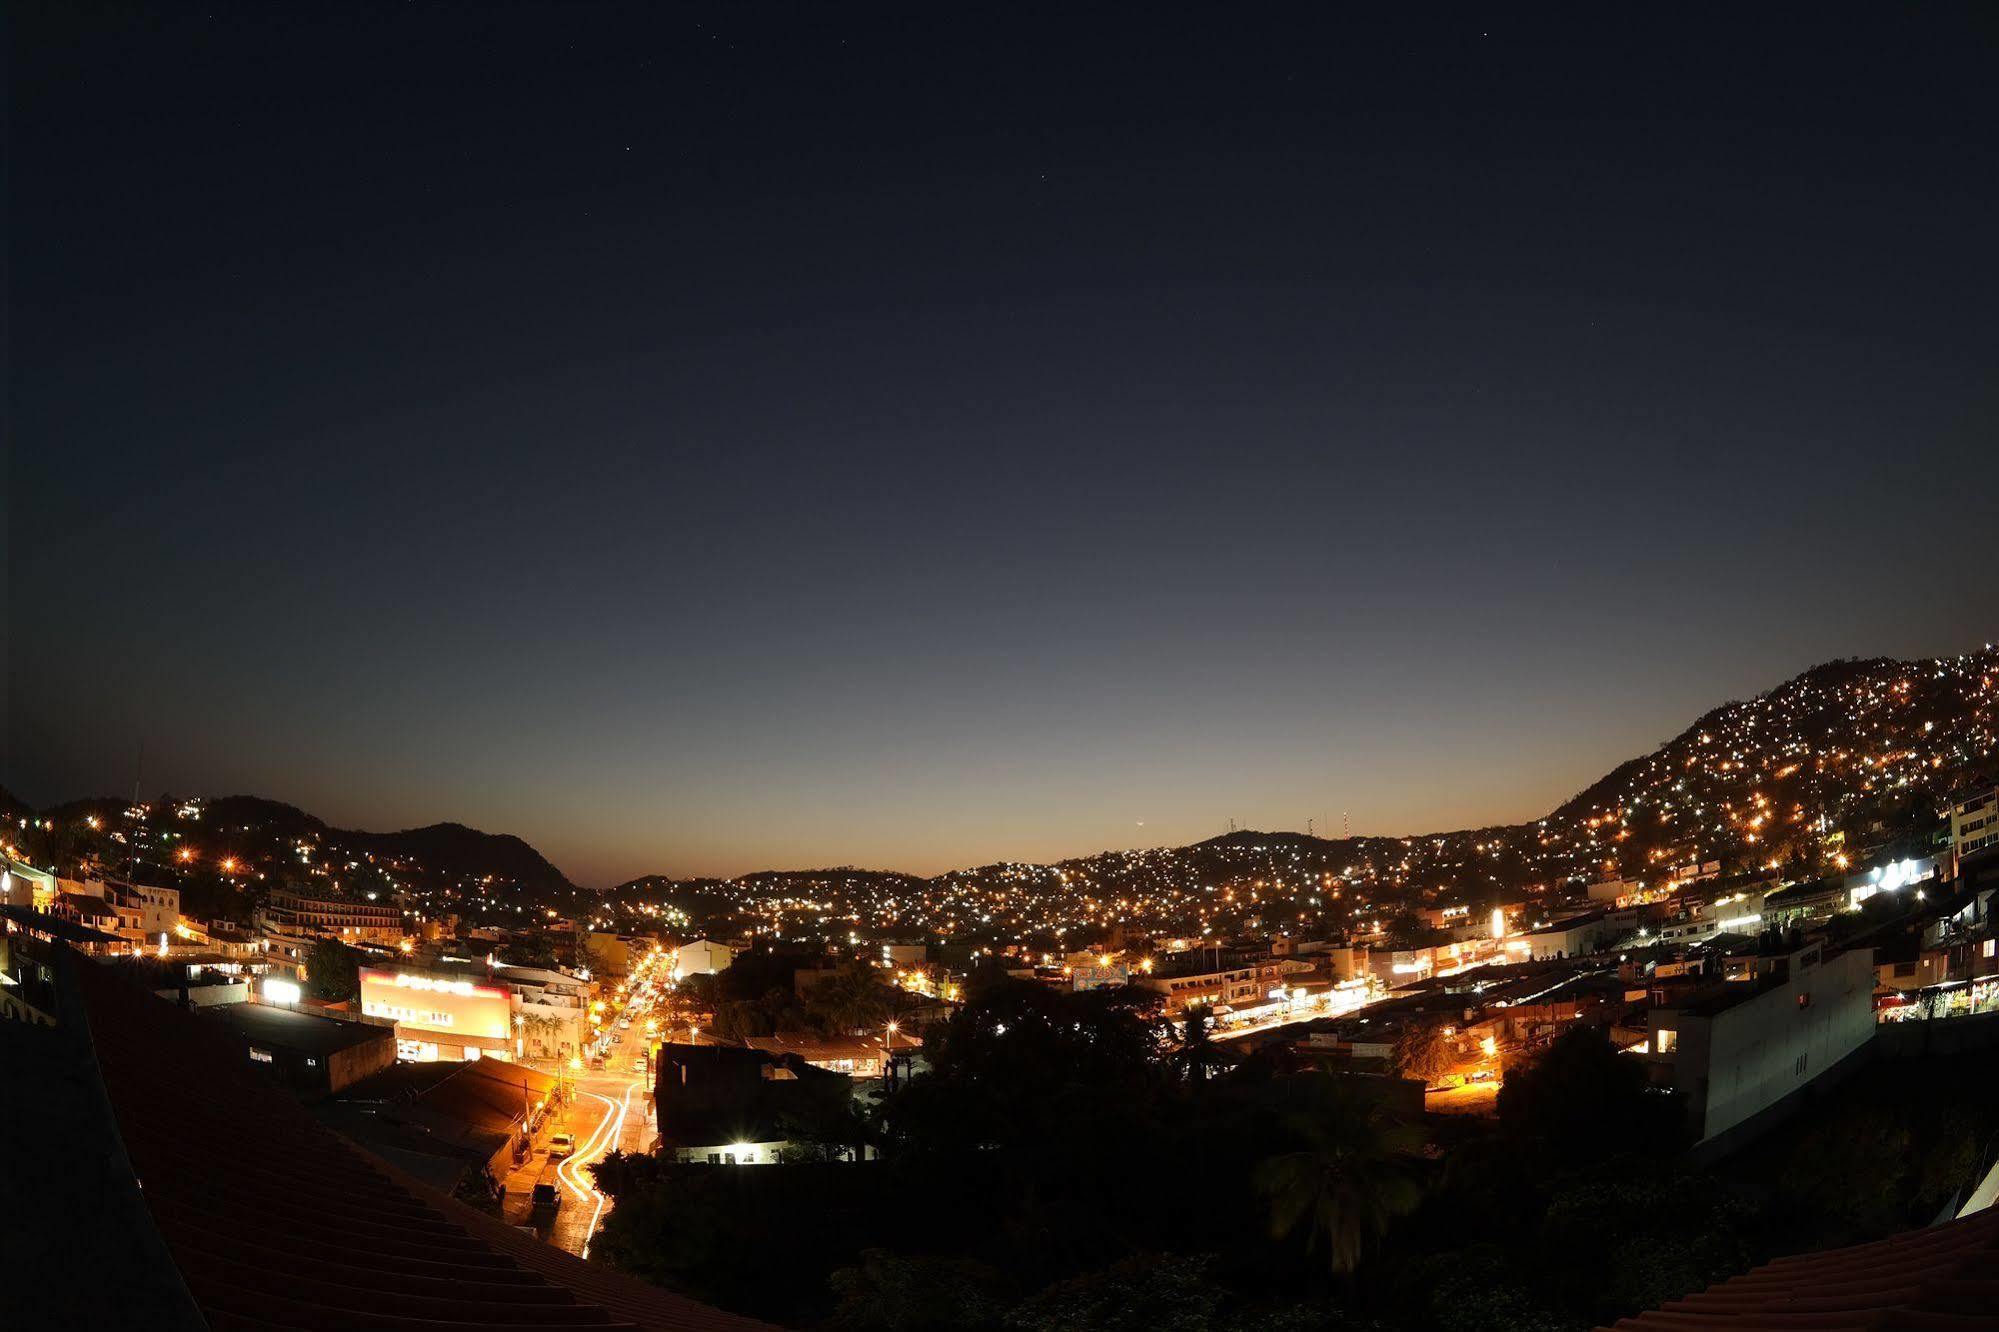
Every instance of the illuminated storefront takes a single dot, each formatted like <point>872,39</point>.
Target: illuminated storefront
<point>440,1016</point>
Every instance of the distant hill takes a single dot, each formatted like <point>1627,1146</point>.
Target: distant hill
<point>1865,751</point>
<point>457,849</point>
<point>450,848</point>
<point>226,852</point>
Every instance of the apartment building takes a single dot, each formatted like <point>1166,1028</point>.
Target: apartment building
<point>1737,1049</point>
<point>300,919</point>
<point>1974,824</point>
<point>1203,979</point>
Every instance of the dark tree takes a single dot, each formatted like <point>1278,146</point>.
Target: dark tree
<point>1584,1099</point>
<point>332,971</point>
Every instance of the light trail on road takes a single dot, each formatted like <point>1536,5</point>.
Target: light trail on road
<point>586,1151</point>
<point>609,1134</point>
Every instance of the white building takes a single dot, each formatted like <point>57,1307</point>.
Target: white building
<point>551,1011</point>
<point>1738,1049</point>
<point>1578,936</point>
<point>144,912</point>
<point>23,885</point>
<point>703,957</point>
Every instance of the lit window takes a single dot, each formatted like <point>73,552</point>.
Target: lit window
<point>1668,1039</point>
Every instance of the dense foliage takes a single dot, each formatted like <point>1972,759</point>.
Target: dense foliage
<point>1056,1169</point>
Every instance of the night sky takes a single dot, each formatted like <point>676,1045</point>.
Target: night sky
<point>709,438</point>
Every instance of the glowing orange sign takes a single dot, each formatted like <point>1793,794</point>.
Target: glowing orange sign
<point>448,1004</point>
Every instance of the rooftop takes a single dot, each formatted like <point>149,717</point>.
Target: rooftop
<point>55,927</point>
<point>1925,1281</point>
<point>288,1030</point>
<point>276,1222</point>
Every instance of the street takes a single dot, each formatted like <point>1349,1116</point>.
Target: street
<point>610,1112</point>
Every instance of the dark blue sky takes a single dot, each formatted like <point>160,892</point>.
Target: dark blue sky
<point>708,438</point>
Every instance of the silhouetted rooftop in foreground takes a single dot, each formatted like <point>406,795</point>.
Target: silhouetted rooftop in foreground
<point>273,1221</point>
<point>1943,1279</point>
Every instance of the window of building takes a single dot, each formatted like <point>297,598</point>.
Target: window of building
<point>1668,1038</point>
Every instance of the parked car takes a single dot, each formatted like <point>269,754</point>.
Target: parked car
<point>547,1202</point>
<point>561,1145</point>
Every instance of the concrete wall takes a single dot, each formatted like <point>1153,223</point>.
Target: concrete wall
<point>349,1066</point>
<point>1914,1039</point>
<point>1764,1049</point>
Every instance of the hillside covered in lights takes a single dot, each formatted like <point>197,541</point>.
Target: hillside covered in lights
<point>1847,755</point>
<point>224,854</point>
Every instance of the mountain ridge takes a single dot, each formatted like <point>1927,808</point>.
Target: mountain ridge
<point>1757,782</point>
<point>1763,778</point>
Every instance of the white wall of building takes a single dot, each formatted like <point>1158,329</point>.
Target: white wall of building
<point>703,957</point>
<point>1765,1048</point>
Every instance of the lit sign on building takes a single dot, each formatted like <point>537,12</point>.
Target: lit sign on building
<point>461,1008</point>
<point>404,981</point>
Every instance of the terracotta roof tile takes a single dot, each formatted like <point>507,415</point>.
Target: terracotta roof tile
<point>1943,1279</point>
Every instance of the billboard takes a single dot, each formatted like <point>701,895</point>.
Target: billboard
<point>448,1005</point>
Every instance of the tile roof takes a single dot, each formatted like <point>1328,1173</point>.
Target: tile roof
<point>1943,1279</point>
<point>277,1222</point>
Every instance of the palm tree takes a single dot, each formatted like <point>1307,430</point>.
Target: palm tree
<point>1350,1180</point>
<point>540,1030</point>
<point>1197,1053</point>
<point>850,1000</point>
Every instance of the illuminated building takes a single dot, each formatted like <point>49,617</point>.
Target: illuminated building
<point>609,955</point>
<point>298,919</point>
<point>1233,988</point>
<point>1974,825</point>
<point>25,886</point>
<point>551,1010</point>
<point>31,943</point>
<point>139,913</point>
<point>441,1016</point>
